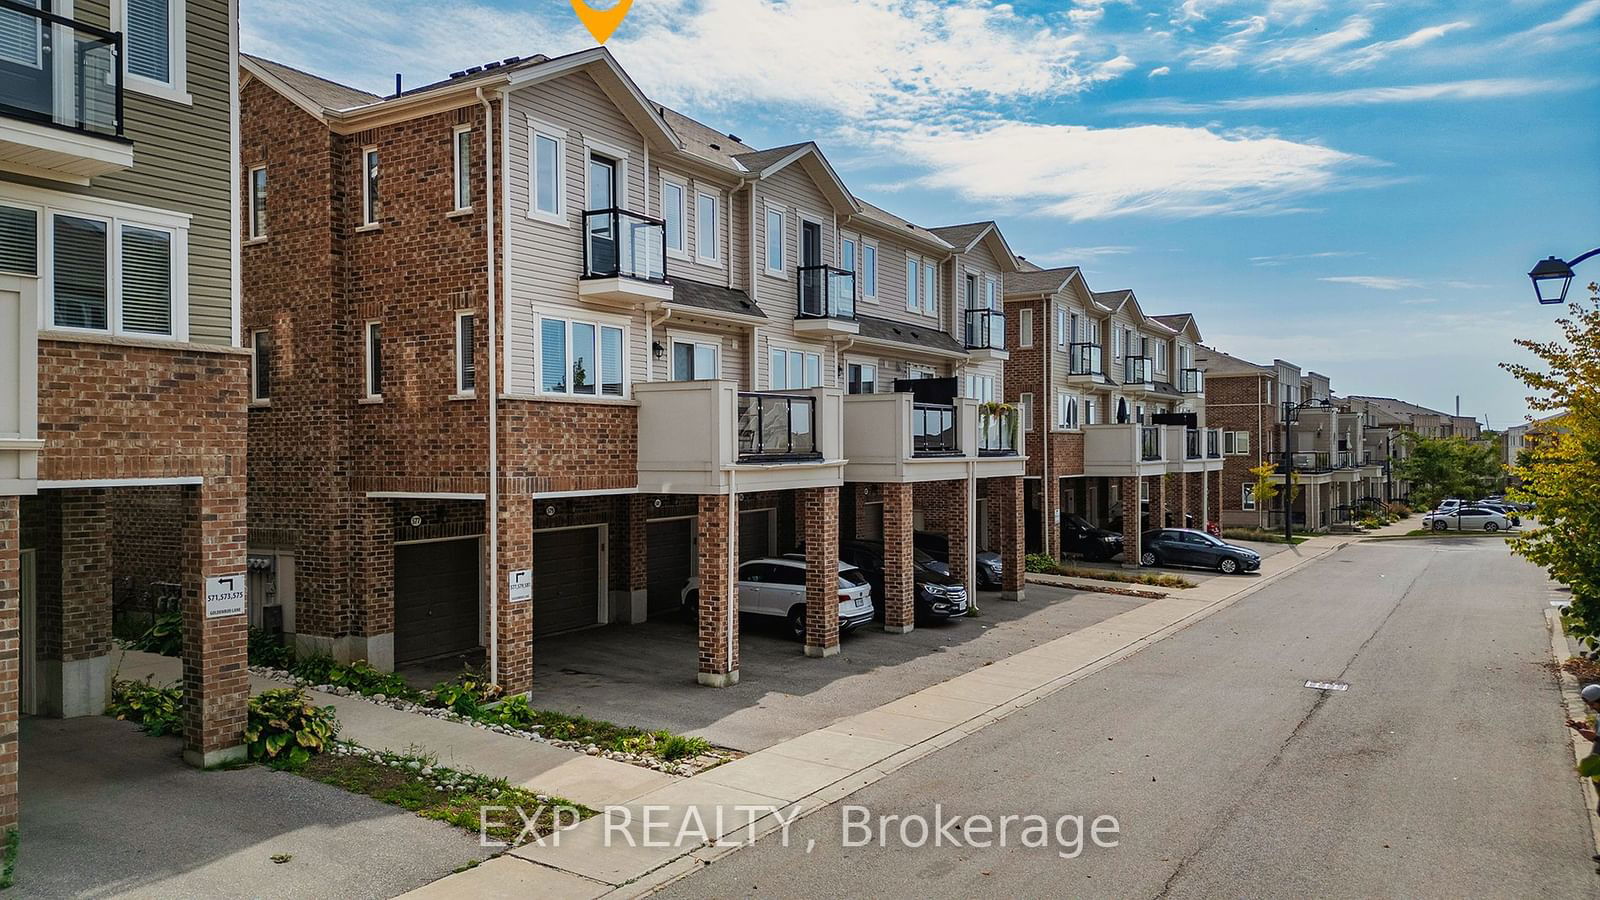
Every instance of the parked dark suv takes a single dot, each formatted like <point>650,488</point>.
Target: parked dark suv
<point>1090,541</point>
<point>938,546</point>
<point>937,594</point>
<point>1185,547</point>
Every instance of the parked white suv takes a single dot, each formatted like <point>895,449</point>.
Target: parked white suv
<point>776,586</point>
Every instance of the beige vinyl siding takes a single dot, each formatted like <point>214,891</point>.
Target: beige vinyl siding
<point>735,347</point>
<point>792,191</point>
<point>182,162</point>
<point>982,263</point>
<point>891,367</point>
<point>689,267</point>
<point>544,261</point>
<point>892,284</point>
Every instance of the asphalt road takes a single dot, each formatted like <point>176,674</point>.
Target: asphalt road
<point>1444,770</point>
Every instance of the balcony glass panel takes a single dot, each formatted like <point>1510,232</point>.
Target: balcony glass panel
<point>1136,370</point>
<point>620,244</point>
<point>1192,381</point>
<point>1086,359</point>
<point>933,430</point>
<point>826,293</point>
<point>58,71</point>
<point>777,426</point>
<point>1191,444</point>
<point>985,329</point>
<point>997,432</point>
<point>1149,443</point>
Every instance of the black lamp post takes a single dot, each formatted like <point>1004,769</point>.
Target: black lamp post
<point>1291,415</point>
<point>1552,276</point>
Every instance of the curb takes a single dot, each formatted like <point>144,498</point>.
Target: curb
<point>1572,703</point>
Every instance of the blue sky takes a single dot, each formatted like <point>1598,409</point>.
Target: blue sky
<point>1357,187</point>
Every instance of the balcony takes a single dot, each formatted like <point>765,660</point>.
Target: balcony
<point>1086,364</point>
<point>624,259</point>
<point>1346,466</point>
<point>827,301</point>
<point>985,334</point>
<point>707,437</point>
<point>1312,462</point>
<point>896,438</point>
<point>19,385</point>
<point>1138,373</point>
<point>1124,450</point>
<point>1202,449</point>
<point>60,96</point>
<point>1191,381</point>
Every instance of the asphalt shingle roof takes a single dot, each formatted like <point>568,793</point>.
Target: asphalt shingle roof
<point>321,91</point>
<point>716,298</point>
<point>905,333</point>
<point>1039,281</point>
<point>962,236</point>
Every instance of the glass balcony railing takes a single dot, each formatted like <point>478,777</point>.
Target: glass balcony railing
<point>826,293</point>
<point>986,329</point>
<point>1314,461</point>
<point>621,244</point>
<point>1087,359</point>
<point>1150,443</point>
<point>933,430</point>
<point>1136,370</point>
<point>777,427</point>
<point>1192,381</point>
<point>58,71</point>
<point>997,432</point>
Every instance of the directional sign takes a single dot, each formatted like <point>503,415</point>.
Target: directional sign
<point>225,596</point>
<point>520,586</point>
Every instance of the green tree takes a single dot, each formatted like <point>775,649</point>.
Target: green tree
<point>1450,467</point>
<point>1267,489</point>
<point>1560,468</point>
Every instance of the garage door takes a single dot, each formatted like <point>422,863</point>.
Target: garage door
<point>436,589</point>
<point>671,561</point>
<point>566,580</point>
<point>755,534</point>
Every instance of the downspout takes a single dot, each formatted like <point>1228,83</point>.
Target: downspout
<point>1050,492</point>
<point>494,393</point>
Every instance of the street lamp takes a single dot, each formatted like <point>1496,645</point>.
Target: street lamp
<point>1552,276</point>
<point>1291,415</point>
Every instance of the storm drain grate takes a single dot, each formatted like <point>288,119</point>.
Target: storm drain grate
<point>1327,686</point>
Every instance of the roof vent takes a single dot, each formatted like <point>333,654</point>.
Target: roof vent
<point>491,65</point>
<point>474,70</point>
<point>734,137</point>
<point>715,146</point>
<point>512,60</point>
<point>459,74</point>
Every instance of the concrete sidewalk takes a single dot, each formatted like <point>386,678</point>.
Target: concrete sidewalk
<point>809,772</point>
<point>589,780</point>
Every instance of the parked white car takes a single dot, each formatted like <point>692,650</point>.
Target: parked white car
<point>776,586</point>
<point>1466,518</point>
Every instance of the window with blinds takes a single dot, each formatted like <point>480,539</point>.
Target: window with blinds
<point>19,240</point>
<point>149,39</point>
<point>80,274</point>
<point>374,360</point>
<point>466,365</point>
<point>258,202</point>
<point>21,38</point>
<point>261,365</point>
<point>146,281</point>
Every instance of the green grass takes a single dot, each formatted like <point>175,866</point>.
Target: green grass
<point>8,867</point>
<point>1154,580</point>
<point>1259,535</point>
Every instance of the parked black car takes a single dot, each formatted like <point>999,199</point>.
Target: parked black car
<point>1186,547</point>
<point>938,547</point>
<point>936,593</point>
<point>1091,541</point>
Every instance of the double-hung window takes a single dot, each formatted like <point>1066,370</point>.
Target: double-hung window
<point>261,365</point>
<point>105,273</point>
<point>980,388</point>
<point>1247,496</point>
<point>153,45</point>
<point>869,271</point>
<point>1062,338</point>
<point>19,240</point>
<point>1090,415</point>
<point>863,378</point>
<point>1025,409</point>
<point>462,183</point>
<point>547,174</point>
<point>1067,411</point>
<point>774,236</point>
<point>1117,336</point>
<point>695,360</point>
<point>707,228</point>
<point>1025,328</point>
<point>374,361</point>
<point>847,254</point>
<point>930,287</point>
<point>793,370</point>
<point>581,359</point>
<point>674,206</point>
<point>369,186</point>
<point>258,202</point>
<point>466,363</point>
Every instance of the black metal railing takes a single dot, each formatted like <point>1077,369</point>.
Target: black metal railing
<point>1150,443</point>
<point>997,432</point>
<point>1191,444</point>
<point>1213,444</point>
<point>933,430</point>
<point>1087,359</point>
<point>826,293</point>
<point>986,329</point>
<point>1313,461</point>
<point>1344,459</point>
<point>1192,381</point>
<point>1136,370</point>
<point>777,427</point>
<point>621,244</point>
<point>59,71</point>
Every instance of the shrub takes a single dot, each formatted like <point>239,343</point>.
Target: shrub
<point>665,745</point>
<point>1039,563</point>
<point>286,729</point>
<point>362,678</point>
<point>315,669</point>
<point>164,636</point>
<point>267,649</point>
<point>465,695</point>
<point>158,709</point>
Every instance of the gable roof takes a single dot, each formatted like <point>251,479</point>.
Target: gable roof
<point>1040,281</point>
<point>767,163</point>
<point>965,237</point>
<point>714,298</point>
<point>317,95</point>
<point>1180,323</point>
<point>905,333</point>
<point>889,223</point>
<point>1112,301</point>
<point>704,142</point>
<point>1219,364</point>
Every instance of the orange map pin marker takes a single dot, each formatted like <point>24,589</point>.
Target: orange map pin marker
<point>601,22</point>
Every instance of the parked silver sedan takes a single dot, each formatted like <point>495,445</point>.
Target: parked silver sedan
<point>1466,518</point>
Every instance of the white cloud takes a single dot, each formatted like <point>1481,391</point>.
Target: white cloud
<point>1077,172</point>
<point>1112,69</point>
<point>1286,258</point>
<point>1159,71</point>
<point>1317,49</point>
<point>1376,282</point>
<point>1077,253</point>
<point>1371,54</point>
<point>1420,301</point>
<point>1576,17</point>
<point>1474,89</point>
<point>1228,52</point>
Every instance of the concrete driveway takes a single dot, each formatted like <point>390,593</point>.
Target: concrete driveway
<point>108,811</point>
<point>645,674</point>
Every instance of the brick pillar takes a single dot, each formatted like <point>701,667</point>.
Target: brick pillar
<point>1128,492</point>
<point>1184,511</point>
<point>216,680</point>
<point>10,646</point>
<point>1005,508</point>
<point>899,609</point>
<point>1158,501</point>
<point>515,644</point>
<point>371,636</point>
<point>1216,497</point>
<point>818,511</point>
<point>958,530</point>
<point>74,671</point>
<point>638,555</point>
<point>719,594</point>
<point>861,520</point>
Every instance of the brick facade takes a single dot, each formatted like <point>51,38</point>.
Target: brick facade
<point>1005,510</point>
<point>899,612</point>
<point>10,654</point>
<point>819,520</point>
<point>719,595</point>
<point>1238,403</point>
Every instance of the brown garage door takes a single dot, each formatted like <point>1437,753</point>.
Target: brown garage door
<point>435,599</point>
<point>671,562</point>
<point>566,580</point>
<point>755,534</point>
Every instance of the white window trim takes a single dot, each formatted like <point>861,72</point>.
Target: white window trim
<point>1061,327</point>
<point>930,301</point>
<point>682,185</point>
<point>696,340</point>
<point>256,397</point>
<point>177,90</point>
<point>876,254</point>
<point>40,222</point>
<point>250,203</point>
<point>621,158</point>
<point>1025,329</point>
<point>369,217</point>
<point>537,129</point>
<point>863,362</point>
<point>783,242</point>
<point>456,171</point>
<point>913,284</point>
<point>598,322</point>
<point>848,265</point>
<point>114,224</point>
<point>819,353</point>
<point>715,196</point>
<point>462,352</point>
<point>1025,405</point>
<point>367,384</point>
